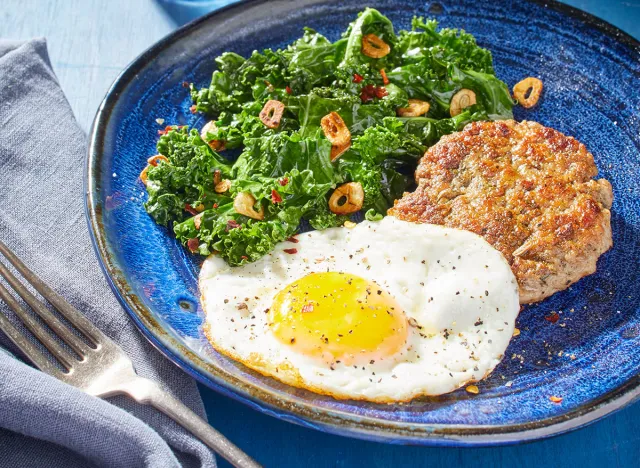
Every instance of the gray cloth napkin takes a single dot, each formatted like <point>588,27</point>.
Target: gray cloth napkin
<point>44,422</point>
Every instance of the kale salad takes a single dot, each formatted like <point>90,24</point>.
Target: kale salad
<point>325,131</point>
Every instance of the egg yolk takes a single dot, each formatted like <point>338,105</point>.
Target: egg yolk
<point>338,317</point>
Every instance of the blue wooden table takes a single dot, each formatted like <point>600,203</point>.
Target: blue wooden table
<point>90,42</point>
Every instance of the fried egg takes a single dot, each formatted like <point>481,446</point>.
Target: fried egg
<point>386,311</point>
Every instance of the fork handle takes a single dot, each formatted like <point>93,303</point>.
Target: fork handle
<point>148,392</point>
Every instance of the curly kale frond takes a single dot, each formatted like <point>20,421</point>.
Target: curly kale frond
<point>288,170</point>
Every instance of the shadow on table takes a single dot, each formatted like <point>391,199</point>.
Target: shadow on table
<point>183,11</point>
<point>614,441</point>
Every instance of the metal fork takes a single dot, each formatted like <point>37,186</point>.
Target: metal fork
<point>101,369</point>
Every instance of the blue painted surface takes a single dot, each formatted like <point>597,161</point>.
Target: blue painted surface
<point>614,441</point>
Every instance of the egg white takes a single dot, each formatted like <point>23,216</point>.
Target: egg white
<point>458,293</point>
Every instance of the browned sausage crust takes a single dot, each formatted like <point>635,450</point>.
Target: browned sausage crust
<point>528,190</point>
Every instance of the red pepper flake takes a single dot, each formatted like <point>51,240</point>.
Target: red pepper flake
<point>288,90</point>
<point>291,251</point>
<point>553,317</point>
<point>232,224</point>
<point>190,209</point>
<point>369,92</point>
<point>284,181</point>
<point>385,80</point>
<point>215,205</point>
<point>166,130</point>
<point>275,196</point>
<point>192,109</point>
<point>555,399</point>
<point>185,84</point>
<point>193,244</point>
<point>244,257</point>
<point>307,308</point>
<point>366,94</point>
<point>293,239</point>
<point>357,78</point>
<point>381,92</point>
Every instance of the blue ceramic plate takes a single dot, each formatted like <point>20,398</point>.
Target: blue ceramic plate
<point>590,357</point>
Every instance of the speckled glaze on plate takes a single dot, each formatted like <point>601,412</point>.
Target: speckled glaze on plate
<point>590,357</point>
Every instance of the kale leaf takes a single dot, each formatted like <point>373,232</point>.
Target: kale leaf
<point>186,178</point>
<point>288,170</point>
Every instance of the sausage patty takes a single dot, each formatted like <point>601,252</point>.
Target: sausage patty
<point>528,190</point>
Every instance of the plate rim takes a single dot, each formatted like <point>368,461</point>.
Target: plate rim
<point>302,413</point>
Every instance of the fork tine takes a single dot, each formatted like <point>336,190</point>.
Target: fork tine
<point>38,330</point>
<point>51,320</point>
<point>28,348</point>
<point>66,310</point>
